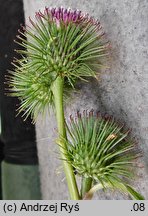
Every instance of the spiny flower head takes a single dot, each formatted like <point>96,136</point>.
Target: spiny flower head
<point>101,149</point>
<point>59,42</point>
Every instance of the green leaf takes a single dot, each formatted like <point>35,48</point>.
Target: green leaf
<point>126,188</point>
<point>133,193</point>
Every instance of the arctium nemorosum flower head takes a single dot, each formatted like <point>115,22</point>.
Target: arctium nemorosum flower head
<point>59,42</point>
<point>102,150</point>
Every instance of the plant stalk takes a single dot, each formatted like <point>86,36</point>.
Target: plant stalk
<point>90,193</point>
<point>85,186</point>
<point>57,89</point>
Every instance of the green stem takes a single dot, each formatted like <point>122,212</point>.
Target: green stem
<point>57,89</point>
<point>85,186</point>
<point>90,193</point>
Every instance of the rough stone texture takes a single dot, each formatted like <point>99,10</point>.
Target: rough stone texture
<point>122,91</point>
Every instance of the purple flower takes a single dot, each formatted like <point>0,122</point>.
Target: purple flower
<point>66,16</point>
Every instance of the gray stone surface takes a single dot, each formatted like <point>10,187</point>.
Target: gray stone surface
<point>122,90</point>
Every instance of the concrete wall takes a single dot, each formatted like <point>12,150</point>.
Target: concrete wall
<point>122,91</point>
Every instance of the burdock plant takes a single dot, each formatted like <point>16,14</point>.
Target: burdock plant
<point>102,152</point>
<point>63,46</point>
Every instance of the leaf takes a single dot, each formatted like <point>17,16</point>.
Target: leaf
<point>123,187</point>
<point>133,193</point>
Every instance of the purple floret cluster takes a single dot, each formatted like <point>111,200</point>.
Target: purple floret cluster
<point>67,15</point>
